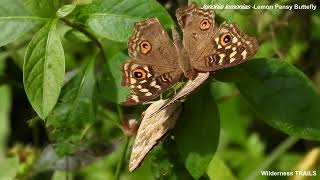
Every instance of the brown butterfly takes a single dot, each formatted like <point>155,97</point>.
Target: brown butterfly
<point>156,62</point>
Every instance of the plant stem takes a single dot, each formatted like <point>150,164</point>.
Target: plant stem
<point>283,147</point>
<point>122,158</point>
<point>119,109</point>
<point>90,35</point>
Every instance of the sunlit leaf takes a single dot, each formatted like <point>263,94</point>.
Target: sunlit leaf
<point>43,69</point>
<point>14,27</point>
<point>114,19</point>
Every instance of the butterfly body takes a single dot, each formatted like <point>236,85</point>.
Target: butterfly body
<point>156,62</point>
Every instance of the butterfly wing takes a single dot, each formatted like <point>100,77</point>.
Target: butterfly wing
<point>152,67</point>
<point>211,48</point>
<point>152,129</point>
<point>146,82</point>
<point>227,48</point>
<point>198,27</point>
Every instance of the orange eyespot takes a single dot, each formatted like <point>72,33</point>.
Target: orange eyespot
<point>139,74</point>
<point>145,47</point>
<point>225,39</point>
<point>205,24</point>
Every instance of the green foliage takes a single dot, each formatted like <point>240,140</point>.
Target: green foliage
<point>70,54</point>
<point>198,140</point>
<point>74,114</point>
<point>43,69</point>
<point>280,93</point>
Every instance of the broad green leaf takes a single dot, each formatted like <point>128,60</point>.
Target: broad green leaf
<point>43,8</point>
<point>281,94</point>
<point>14,27</point>
<point>110,83</point>
<point>197,131</point>
<point>114,19</point>
<point>113,27</point>
<point>44,69</point>
<point>12,8</point>
<point>131,8</point>
<point>74,114</point>
<point>65,10</point>
<point>219,170</point>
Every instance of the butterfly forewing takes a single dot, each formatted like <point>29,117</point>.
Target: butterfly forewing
<point>152,67</point>
<point>230,47</point>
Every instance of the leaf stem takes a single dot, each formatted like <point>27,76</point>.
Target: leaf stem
<point>119,109</point>
<point>122,158</point>
<point>283,147</point>
<point>90,35</point>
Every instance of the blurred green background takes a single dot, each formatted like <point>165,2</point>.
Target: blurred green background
<point>246,145</point>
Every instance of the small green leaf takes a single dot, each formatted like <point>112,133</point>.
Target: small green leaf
<point>281,94</point>
<point>65,10</point>
<point>197,132</point>
<point>43,8</point>
<point>72,117</point>
<point>14,27</point>
<point>43,69</point>
<point>110,83</point>
<point>113,27</point>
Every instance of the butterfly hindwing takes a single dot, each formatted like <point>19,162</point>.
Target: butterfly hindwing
<point>152,67</point>
<point>144,82</point>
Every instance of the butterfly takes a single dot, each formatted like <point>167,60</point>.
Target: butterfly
<point>156,62</point>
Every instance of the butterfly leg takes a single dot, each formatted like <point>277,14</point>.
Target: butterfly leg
<point>183,59</point>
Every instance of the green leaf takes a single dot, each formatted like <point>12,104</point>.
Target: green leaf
<point>281,94</point>
<point>44,69</point>
<point>202,2</point>
<point>110,83</point>
<point>197,132</point>
<point>114,19</point>
<point>113,27</point>
<point>5,99</point>
<point>166,162</point>
<point>66,10</point>
<point>219,170</point>
<point>14,27</point>
<point>72,117</point>
<point>132,8</point>
<point>82,2</point>
<point>43,8</point>
<point>12,8</point>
